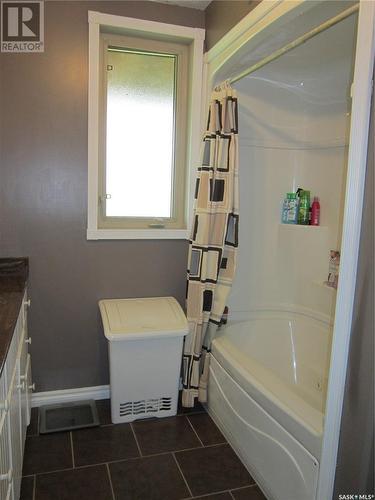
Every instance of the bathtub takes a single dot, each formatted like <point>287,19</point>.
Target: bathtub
<point>267,391</point>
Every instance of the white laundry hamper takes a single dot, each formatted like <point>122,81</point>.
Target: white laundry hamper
<point>145,340</point>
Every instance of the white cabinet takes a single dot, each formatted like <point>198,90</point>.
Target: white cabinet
<point>15,408</point>
<point>15,436</point>
<point>6,490</point>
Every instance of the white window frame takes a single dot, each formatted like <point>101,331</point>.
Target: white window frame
<point>194,39</point>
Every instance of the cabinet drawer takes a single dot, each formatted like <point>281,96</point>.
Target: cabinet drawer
<point>12,353</point>
<point>25,390</point>
<point>23,313</point>
<point>29,389</point>
<point>22,388</point>
<point>15,434</point>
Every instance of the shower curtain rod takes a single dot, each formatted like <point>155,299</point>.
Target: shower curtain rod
<point>296,43</point>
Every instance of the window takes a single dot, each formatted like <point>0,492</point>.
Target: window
<point>141,128</point>
<point>144,126</point>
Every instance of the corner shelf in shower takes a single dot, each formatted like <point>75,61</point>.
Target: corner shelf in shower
<point>301,227</point>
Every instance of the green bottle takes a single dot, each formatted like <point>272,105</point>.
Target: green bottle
<point>304,207</point>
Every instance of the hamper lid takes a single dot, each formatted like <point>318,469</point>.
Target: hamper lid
<point>132,319</point>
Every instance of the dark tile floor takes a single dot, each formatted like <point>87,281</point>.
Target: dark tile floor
<point>181,457</point>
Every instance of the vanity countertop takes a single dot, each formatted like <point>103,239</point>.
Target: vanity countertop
<point>13,279</point>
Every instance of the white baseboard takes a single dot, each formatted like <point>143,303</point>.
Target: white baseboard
<point>68,395</point>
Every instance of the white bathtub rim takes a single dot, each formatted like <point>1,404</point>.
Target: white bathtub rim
<point>310,348</point>
<point>219,352</point>
<point>306,428</point>
<point>274,311</point>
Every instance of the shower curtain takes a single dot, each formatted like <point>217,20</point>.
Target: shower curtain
<point>214,240</point>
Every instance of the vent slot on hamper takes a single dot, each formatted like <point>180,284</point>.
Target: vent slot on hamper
<point>145,406</point>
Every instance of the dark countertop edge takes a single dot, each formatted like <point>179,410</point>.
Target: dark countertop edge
<point>14,273</point>
<point>14,265</point>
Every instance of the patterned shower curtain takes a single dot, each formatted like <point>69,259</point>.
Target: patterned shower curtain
<point>213,241</point>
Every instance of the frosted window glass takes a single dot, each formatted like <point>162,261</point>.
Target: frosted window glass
<point>140,134</point>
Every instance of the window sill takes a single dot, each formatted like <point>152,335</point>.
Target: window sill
<point>137,234</point>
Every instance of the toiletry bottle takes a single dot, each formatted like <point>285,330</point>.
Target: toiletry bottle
<point>315,212</point>
<point>292,208</point>
<point>304,207</point>
<point>284,214</point>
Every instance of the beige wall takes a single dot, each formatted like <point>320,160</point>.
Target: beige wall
<point>43,190</point>
<point>222,15</point>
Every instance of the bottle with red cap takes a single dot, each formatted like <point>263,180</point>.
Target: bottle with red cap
<point>315,212</point>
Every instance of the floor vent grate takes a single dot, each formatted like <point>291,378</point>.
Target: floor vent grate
<point>68,416</point>
<point>145,406</point>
